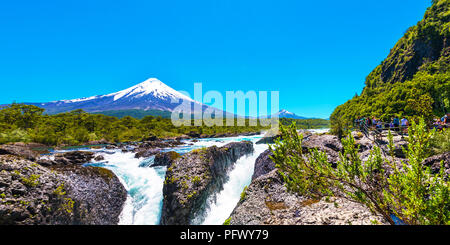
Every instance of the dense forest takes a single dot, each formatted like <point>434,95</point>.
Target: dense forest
<point>306,123</point>
<point>28,123</point>
<point>138,114</point>
<point>413,81</point>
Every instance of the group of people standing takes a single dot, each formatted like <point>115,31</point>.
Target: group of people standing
<point>399,125</point>
<point>395,124</point>
<point>441,123</point>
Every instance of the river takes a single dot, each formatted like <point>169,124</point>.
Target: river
<point>145,184</point>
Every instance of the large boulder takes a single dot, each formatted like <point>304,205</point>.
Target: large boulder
<point>268,139</point>
<point>74,157</point>
<point>263,164</point>
<point>151,148</point>
<point>19,149</point>
<point>436,162</point>
<point>195,176</point>
<point>147,153</point>
<point>330,144</point>
<point>165,159</point>
<point>68,195</point>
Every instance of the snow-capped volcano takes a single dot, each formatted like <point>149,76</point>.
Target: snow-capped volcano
<point>151,94</point>
<point>287,114</point>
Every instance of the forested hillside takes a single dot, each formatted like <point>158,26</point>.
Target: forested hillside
<point>413,81</point>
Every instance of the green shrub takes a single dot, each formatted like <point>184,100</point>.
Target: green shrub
<point>31,181</point>
<point>244,193</point>
<point>227,221</point>
<point>440,143</point>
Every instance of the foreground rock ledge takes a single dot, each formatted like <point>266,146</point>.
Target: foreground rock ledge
<point>191,179</point>
<point>267,202</point>
<point>31,194</point>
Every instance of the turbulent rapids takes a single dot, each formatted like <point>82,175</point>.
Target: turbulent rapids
<point>144,184</point>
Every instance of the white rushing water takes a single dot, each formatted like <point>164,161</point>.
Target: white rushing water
<point>145,185</point>
<point>222,205</point>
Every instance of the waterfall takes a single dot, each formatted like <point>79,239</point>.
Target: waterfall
<point>220,206</point>
<point>145,185</point>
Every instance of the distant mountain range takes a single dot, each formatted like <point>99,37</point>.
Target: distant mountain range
<point>151,97</point>
<point>287,114</point>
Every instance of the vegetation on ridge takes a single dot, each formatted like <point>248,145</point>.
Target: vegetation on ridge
<point>413,81</point>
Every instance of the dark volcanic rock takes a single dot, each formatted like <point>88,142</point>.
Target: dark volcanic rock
<point>74,157</point>
<point>98,194</point>
<point>18,149</point>
<point>191,179</point>
<point>151,138</point>
<point>31,194</point>
<point>99,158</point>
<point>150,148</point>
<point>329,144</point>
<point>434,163</point>
<point>165,159</point>
<point>268,140</point>
<point>263,164</point>
<point>267,202</point>
<point>193,134</point>
<point>147,153</point>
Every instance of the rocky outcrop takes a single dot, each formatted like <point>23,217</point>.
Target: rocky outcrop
<point>69,195</point>
<point>263,164</point>
<point>98,195</point>
<point>330,144</point>
<point>191,179</point>
<point>195,135</point>
<point>74,157</point>
<point>165,159</point>
<point>147,153</point>
<point>268,140</point>
<point>151,148</point>
<point>267,202</point>
<point>69,158</point>
<point>19,149</point>
<point>436,162</point>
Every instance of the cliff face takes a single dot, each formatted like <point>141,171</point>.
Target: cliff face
<point>425,43</point>
<point>414,80</point>
<point>31,194</point>
<point>191,179</point>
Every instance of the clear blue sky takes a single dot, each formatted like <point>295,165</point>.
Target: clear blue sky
<point>316,53</point>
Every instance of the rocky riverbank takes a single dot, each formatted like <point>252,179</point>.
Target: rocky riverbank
<point>59,191</point>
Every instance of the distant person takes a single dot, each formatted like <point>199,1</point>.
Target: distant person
<point>438,124</point>
<point>396,123</point>
<point>379,125</point>
<point>404,123</point>
<point>444,119</point>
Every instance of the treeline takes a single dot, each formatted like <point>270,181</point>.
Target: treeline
<point>27,123</point>
<point>306,123</point>
<point>413,81</point>
<point>135,113</point>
